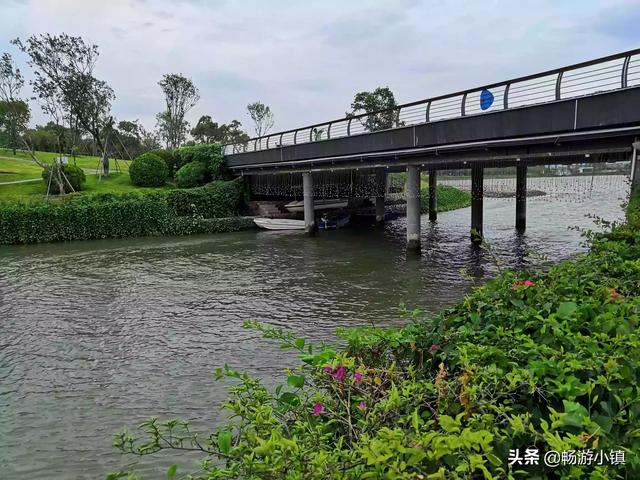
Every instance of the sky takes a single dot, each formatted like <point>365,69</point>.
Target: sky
<point>307,59</point>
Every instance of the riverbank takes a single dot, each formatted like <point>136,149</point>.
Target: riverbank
<point>543,359</point>
<point>213,208</point>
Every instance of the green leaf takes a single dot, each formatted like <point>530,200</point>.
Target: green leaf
<point>566,309</point>
<point>299,342</point>
<point>575,414</point>
<point>224,441</point>
<point>171,471</point>
<point>295,381</point>
<point>449,424</point>
<point>289,398</point>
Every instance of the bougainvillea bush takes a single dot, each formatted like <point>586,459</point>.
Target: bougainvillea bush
<point>541,361</point>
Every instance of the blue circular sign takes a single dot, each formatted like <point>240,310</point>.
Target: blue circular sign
<point>486,99</point>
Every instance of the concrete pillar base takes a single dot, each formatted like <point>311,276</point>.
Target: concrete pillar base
<point>381,181</point>
<point>521,198</point>
<point>477,180</point>
<point>412,191</point>
<point>635,170</point>
<point>309,208</point>
<point>433,195</point>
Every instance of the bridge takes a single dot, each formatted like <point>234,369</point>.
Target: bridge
<point>586,112</point>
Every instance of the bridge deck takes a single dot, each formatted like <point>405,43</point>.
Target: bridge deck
<point>590,106</point>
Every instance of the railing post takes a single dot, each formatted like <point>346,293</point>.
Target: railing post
<point>427,111</point>
<point>349,127</point>
<point>558,84</point>
<point>329,131</point>
<point>625,72</point>
<point>505,97</point>
<point>268,140</point>
<point>464,100</point>
<point>398,117</point>
<point>295,137</point>
<point>280,141</point>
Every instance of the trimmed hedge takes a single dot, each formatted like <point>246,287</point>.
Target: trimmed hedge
<point>127,215</point>
<point>191,175</point>
<point>214,200</point>
<point>148,170</point>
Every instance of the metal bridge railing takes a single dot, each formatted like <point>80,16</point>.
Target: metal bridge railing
<point>613,72</point>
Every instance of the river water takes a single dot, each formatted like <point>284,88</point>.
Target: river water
<point>97,336</point>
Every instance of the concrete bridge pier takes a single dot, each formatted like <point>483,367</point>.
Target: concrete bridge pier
<point>381,180</point>
<point>413,207</point>
<point>521,197</point>
<point>309,208</point>
<point>477,179</point>
<point>433,195</point>
<point>635,169</point>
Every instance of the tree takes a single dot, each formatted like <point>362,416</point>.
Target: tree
<point>234,135</point>
<point>206,130</point>
<point>14,118</point>
<point>64,82</point>
<point>14,112</point>
<point>181,95</point>
<point>262,118</point>
<point>381,107</point>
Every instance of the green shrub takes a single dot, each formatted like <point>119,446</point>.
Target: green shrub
<point>191,175</point>
<point>209,154</point>
<point>75,175</point>
<point>133,214</point>
<point>148,170</point>
<point>169,158</point>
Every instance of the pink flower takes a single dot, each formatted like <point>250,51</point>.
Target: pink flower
<point>357,377</point>
<point>328,369</point>
<point>614,294</point>
<point>434,348</point>
<point>318,408</point>
<point>526,283</point>
<point>362,406</point>
<point>340,373</point>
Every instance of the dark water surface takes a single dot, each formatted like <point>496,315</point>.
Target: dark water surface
<point>96,336</point>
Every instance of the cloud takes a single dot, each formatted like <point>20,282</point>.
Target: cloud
<point>307,59</point>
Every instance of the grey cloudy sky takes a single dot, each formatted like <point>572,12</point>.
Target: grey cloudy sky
<point>307,59</point>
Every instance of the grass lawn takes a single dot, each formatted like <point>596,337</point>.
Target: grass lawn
<point>21,167</point>
<point>87,162</point>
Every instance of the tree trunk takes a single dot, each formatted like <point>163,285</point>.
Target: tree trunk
<point>105,163</point>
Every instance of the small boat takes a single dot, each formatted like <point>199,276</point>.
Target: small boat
<point>326,223</point>
<point>298,206</point>
<point>279,223</point>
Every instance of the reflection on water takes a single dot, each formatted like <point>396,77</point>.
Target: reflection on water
<point>96,336</point>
